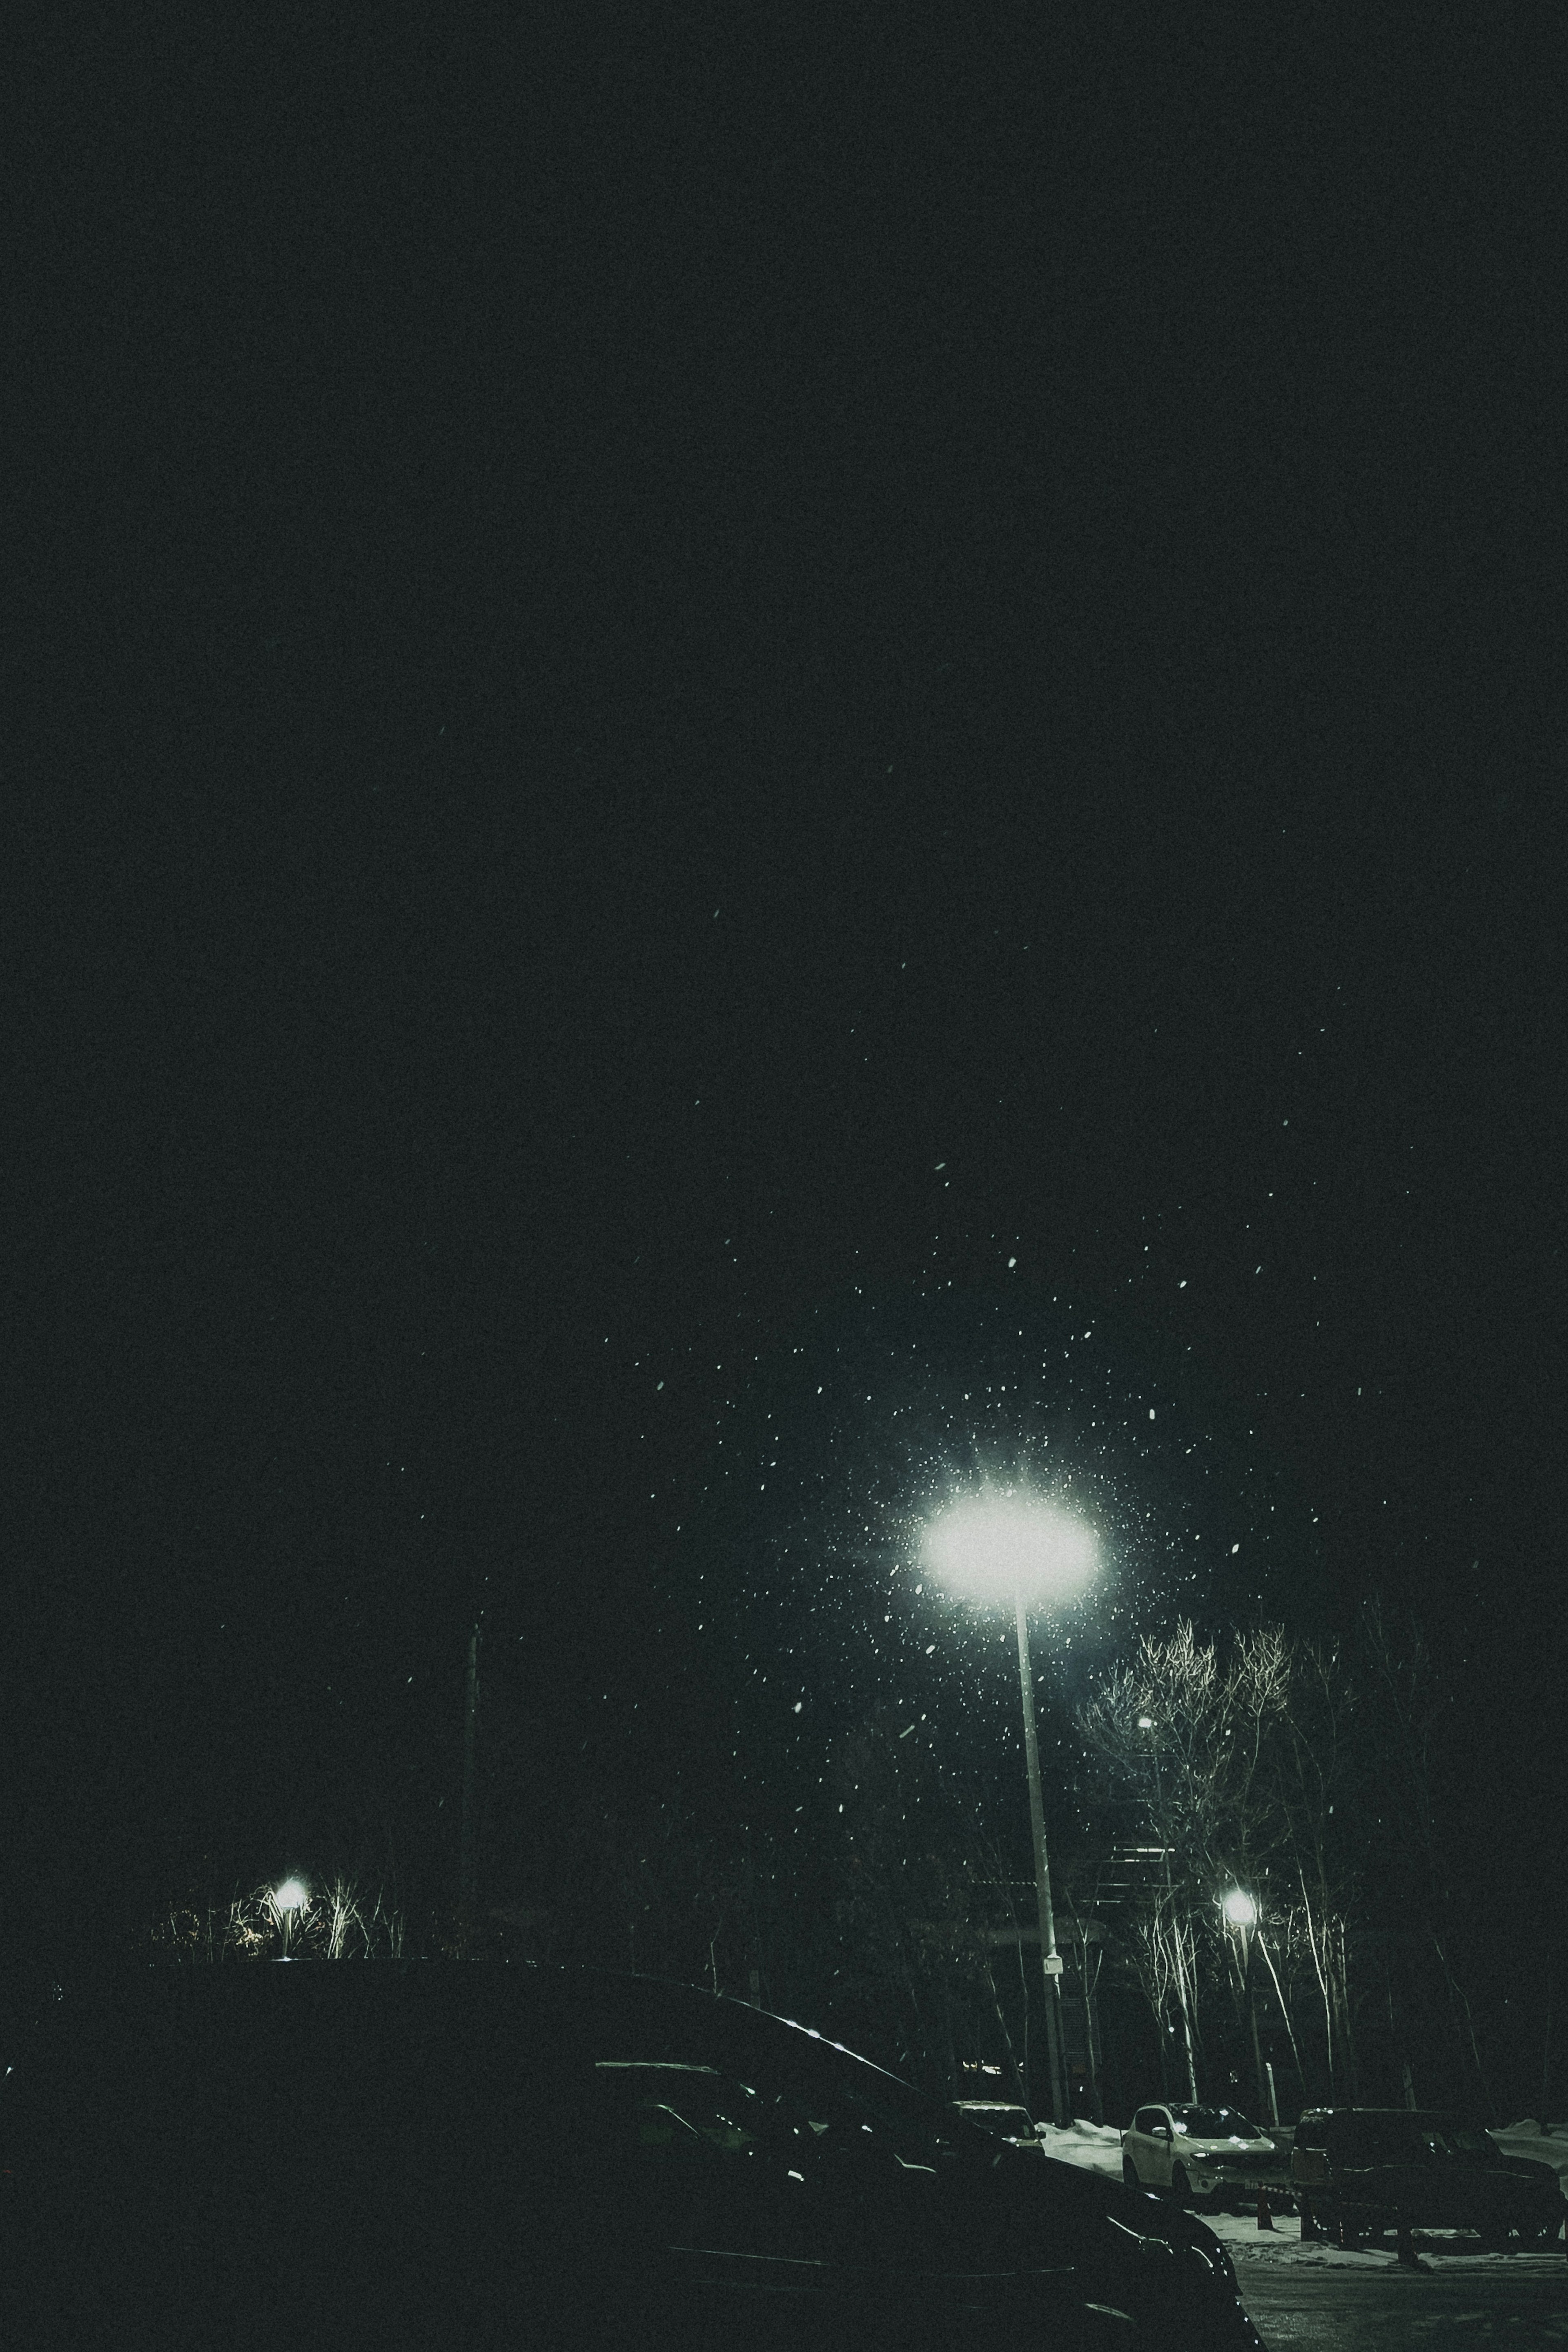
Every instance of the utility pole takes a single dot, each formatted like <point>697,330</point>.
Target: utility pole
<point>467,1874</point>
<point>1247,1936</point>
<point>1545,2065</point>
<point>1051,1957</point>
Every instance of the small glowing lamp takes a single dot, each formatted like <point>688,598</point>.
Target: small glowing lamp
<point>1240,1909</point>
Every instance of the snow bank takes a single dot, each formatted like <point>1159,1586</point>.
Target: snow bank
<point>1541,2145</point>
<point>1096,2147</point>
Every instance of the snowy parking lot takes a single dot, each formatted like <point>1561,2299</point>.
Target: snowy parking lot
<point>1304,2296</point>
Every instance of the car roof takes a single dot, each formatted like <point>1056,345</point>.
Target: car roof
<point>1409,2115</point>
<point>544,2007</point>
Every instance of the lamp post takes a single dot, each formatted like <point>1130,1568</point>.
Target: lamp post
<point>1012,1548</point>
<point>1241,1913</point>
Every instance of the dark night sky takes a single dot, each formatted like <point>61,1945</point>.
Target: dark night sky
<point>691,687</point>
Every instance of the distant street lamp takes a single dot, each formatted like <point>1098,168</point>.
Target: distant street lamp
<point>1241,1913</point>
<point>292,1896</point>
<point>1006,1548</point>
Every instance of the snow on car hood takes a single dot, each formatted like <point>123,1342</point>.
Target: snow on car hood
<point>1225,2146</point>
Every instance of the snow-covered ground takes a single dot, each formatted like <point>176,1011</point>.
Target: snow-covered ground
<point>1097,2148</point>
<point>1452,2251</point>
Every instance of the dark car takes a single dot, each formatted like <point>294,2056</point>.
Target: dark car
<point>419,2154</point>
<point>1358,2171</point>
<point>1004,2119</point>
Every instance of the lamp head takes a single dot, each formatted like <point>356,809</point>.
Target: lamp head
<point>1008,1545</point>
<point>293,1895</point>
<point>1240,1909</point>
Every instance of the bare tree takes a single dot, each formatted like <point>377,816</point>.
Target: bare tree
<point>1195,1735</point>
<point>1306,1772</point>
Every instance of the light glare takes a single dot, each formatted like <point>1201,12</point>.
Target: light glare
<point>293,1895</point>
<point>1240,1909</point>
<point>1001,1547</point>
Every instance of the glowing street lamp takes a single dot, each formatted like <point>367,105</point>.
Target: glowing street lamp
<point>1241,1913</point>
<point>1005,1548</point>
<point>293,1895</point>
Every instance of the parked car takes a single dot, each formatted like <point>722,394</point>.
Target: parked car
<point>405,2155</point>
<point>1004,2118</point>
<point>1198,2154</point>
<point>1358,2171</point>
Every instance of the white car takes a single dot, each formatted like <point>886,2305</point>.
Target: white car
<point>1197,2154</point>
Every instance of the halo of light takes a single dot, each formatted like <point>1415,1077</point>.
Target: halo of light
<point>293,1895</point>
<point>1240,1909</point>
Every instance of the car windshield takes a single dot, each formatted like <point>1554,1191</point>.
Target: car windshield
<point>1214,2123</point>
<point>1467,2141</point>
<point>1387,2139</point>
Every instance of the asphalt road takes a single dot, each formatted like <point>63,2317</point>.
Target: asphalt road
<point>1523,2305</point>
